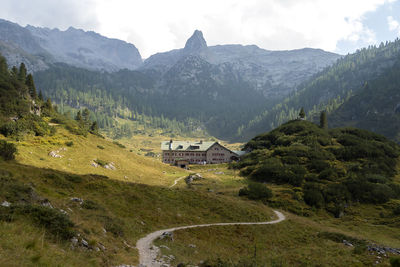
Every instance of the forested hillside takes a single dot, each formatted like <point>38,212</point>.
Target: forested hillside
<point>127,95</point>
<point>376,107</point>
<point>178,107</point>
<point>328,89</point>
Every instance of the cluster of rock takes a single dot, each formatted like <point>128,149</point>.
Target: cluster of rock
<point>373,248</point>
<point>77,199</point>
<point>165,260</point>
<point>56,153</point>
<point>108,166</point>
<point>81,242</point>
<point>193,177</point>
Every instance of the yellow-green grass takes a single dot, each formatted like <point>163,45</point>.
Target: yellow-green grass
<point>375,223</point>
<point>132,209</point>
<point>217,178</point>
<point>294,242</point>
<point>22,244</point>
<point>78,158</point>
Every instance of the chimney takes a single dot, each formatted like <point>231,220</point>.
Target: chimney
<point>170,144</point>
<point>201,141</point>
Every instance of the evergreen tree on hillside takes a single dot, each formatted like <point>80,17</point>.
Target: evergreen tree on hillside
<point>31,86</point>
<point>302,114</point>
<point>40,96</point>
<point>22,73</point>
<point>48,105</point>
<point>78,116</point>
<point>94,129</point>
<point>14,72</point>
<point>86,115</point>
<point>3,65</point>
<point>323,121</point>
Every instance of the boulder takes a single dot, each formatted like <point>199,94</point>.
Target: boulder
<point>6,204</point>
<point>169,235</point>
<point>46,203</point>
<point>54,154</point>
<point>77,199</point>
<point>110,166</point>
<point>193,177</point>
<point>74,241</point>
<point>94,164</point>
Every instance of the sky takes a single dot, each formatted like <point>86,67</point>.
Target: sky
<point>153,26</point>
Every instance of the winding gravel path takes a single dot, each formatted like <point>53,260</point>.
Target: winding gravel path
<point>177,180</point>
<point>148,253</point>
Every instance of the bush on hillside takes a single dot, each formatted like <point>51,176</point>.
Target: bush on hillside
<point>55,222</point>
<point>256,191</point>
<point>313,195</point>
<point>28,124</point>
<point>395,261</point>
<point>7,150</point>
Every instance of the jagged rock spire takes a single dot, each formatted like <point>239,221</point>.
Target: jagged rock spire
<point>195,43</point>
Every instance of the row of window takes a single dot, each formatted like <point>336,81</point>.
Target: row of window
<point>218,159</point>
<point>191,161</point>
<point>186,154</point>
<point>218,154</point>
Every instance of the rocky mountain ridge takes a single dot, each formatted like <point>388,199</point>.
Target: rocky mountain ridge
<point>39,47</point>
<point>274,73</point>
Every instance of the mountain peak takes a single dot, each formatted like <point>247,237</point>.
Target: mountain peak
<point>195,43</point>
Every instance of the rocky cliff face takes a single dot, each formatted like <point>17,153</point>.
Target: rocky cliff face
<point>87,49</point>
<point>274,73</point>
<point>39,47</point>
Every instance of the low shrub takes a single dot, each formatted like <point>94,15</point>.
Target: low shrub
<point>69,143</point>
<point>313,196</point>
<point>119,144</point>
<point>101,162</point>
<point>7,150</point>
<point>395,261</point>
<point>100,147</point>
<point>256,191</point>
<point>55,222</point>
<point>90,205</point>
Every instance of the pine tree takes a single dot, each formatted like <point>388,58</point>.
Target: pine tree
<point>48,105</point>
<point>14,72</point>
<point>94,128</point>
<point>31,86</point>
<point>78,116</point>
<point>3,65</point>
<point>86,115</point>
<point>302,114</point>
<point>323,121</point>
<point>40,96</point>
<point>22,73</point>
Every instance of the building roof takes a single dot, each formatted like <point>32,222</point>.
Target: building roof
<point>239,152</point>
<point>186,145</point>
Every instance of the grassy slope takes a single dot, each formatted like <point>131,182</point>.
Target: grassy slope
<point>78,158</point>
<point>293,242</point>
<point>130,210</point>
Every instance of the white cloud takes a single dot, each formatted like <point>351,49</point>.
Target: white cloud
<point>159,25</point>
<point>274,24</point>
<point>394,25</point>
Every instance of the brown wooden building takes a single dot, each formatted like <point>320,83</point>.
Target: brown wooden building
<point>197,152</point>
